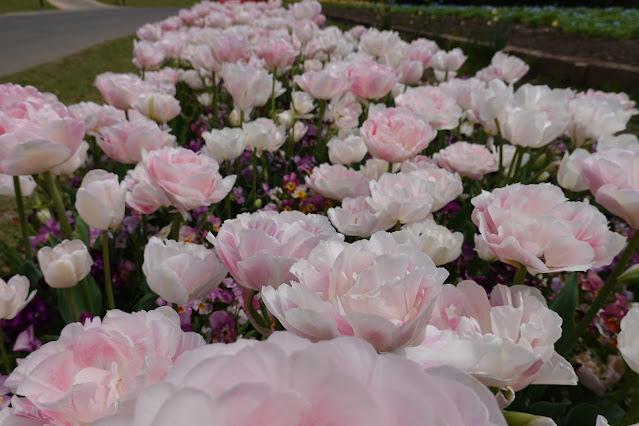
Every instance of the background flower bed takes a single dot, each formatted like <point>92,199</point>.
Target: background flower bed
<point>189,129</point>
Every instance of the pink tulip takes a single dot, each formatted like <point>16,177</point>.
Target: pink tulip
<point>340,382</point>
<point>14,296</point>
<point>337,182</point>
<point>37,140</point>
<point>346,150</point>
<point>66,264</point>
<point>249,86</point>
<point>355,217</point>
<point>433,105</point>
<point>96,116</point>
<point>149,32</point>
<point>18,101</point>
<point>278,54</point>
<point>370,80</point>
<point>421,50</point>
<point>79,378</point>
<point>230,49</point>
<point>100,200</point>
<point>259,248</point>
<point>435,241</point>
<point>536,227</point>
<point>448,61</point>
<point>325,84</point>
<point>594,118</point>
<point>202,60</point>
<point>613,177</point>
<point>344,111</point>
<point>180,272</point>
<point>405,197</point>
<point>395,134</point>
<point>306,9</point>
<point>511,337</point>
<point>147,55</point>
<point>264,135</point>
<point>628,341</point>
<point>7,188</point>
<point>534,116</point>
<point>158,107</point>
<point>124,142</point>
<point>141,194</point>
<point>380,43</point>
<point>187,179</point>
<point>120,90</point>
<point>410,72</point>
<point>447,185</point>
<point>467,159</point>
<point>379,290</point>
<point>507,68</point>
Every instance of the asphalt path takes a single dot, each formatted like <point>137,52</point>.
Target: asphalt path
<point>29,39</point>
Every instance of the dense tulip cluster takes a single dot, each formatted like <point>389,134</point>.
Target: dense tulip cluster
<point>341,191</point>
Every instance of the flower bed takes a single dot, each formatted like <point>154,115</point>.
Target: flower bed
<point>281,223</point>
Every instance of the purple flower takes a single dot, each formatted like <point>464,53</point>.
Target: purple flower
<point>85,316</point>
<point>223,327</point>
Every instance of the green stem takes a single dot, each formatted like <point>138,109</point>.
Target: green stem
<point>512,170</point>
<point>517,170</point>
<point>67,233</point>
<point>520,275</point>
<point>3,353</point>
<point>175,227</point>
<point>252,314</point>
<point>69,295</point>
<point>390,167</point>
<point>216,100</point>
<point>143,223</point>
<point>320,118</point>
<point>265,167</point>
<point>84,289</point>
<point>608,288</point>
<point>539,173</point>
<point>107,270</point>
<point>23,219</point>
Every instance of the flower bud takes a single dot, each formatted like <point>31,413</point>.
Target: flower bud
<point>100,200</point>
<point>64,265</point>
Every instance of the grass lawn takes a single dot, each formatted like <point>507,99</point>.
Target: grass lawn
<point>71,78</point>
<point>9,6</point>
<point>151,3</point>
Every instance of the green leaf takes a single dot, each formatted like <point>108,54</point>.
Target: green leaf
<point>631,275</point>
<point>13,257</point>
<point>565,304</point>
<point>31,271</point>
<point>582,415</point>
<point>147,302</point>
<point>549,409</point>
<point>92,301</point>
<point>82,231</point>
<point>86,298</point>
